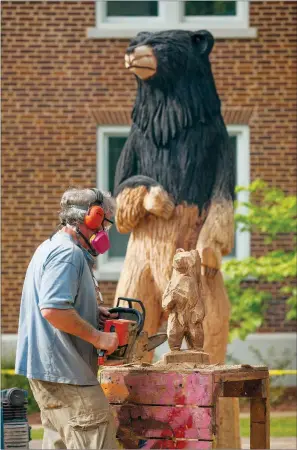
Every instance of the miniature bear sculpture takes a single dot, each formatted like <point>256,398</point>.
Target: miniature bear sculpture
<point>183,299</point>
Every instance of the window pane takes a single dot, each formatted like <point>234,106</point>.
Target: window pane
<point>210,8</point>
<point>131,8</point>
<point>118,241</point>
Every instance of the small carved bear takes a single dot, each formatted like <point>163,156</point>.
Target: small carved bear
<point>183,299</point>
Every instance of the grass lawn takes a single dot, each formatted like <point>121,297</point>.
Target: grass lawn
<point>37,434</point>
<point>279,427</point>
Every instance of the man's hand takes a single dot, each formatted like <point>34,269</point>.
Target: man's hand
<point>69,321</point>
<point>103,315</point>
<point>106,341</point>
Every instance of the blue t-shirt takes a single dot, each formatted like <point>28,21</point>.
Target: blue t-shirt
<point>58,276</point>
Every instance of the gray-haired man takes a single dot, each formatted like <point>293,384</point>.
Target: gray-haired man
<point>58,327</point>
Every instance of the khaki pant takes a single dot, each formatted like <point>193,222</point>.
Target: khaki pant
<point>74,417</point>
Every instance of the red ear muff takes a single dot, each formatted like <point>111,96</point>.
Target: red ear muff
<point>94,217</point>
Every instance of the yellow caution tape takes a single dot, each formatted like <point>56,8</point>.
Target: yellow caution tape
<point>273,372</point>
<point>8,371</point>
<point>282,372</point>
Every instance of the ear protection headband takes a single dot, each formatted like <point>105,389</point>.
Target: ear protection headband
<point>95,215</point>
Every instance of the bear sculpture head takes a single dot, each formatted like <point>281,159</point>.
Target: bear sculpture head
<point>175,83</point>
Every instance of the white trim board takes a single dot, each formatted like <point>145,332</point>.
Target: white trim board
<point>242,132</point>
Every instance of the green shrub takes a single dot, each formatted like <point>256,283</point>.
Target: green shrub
<point>10,381</point>
<point>272,213</point>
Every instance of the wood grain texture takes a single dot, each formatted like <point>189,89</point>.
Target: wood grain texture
<point>130,209</point>
<point>260,420</point>
<point>164,421</point>
<point>148,263</point>
<point>184,299</point>
<point>216,330</point>
<point>156,388</point>
<point>218,230</point>
<point>250,388</point>
<point>158,203</point>
<point>241,374</point>
<point>148,267</point>
<point>227,423</point>
<point>216,320</point>
<point>191,357</point>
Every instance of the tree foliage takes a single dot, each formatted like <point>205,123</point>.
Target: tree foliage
<point>273,214</point>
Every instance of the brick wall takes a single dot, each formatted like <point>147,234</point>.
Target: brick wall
<point>54,77</point>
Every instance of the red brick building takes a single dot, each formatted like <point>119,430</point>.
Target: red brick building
<point>67,98</point>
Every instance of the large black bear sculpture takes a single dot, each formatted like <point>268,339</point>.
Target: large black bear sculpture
<point>175,180</point>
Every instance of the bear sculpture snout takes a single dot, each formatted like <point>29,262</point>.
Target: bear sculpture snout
<point>141,61</point>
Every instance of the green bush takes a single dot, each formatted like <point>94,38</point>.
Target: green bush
<point>272,213</point>
<point>9,381</point>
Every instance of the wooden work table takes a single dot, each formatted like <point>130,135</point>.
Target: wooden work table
<point>176,406</point>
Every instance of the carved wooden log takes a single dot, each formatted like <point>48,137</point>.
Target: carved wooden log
<point>181,143</point>
<point>148,262</point>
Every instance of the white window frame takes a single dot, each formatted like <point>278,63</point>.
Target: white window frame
<point>171,16</point>
<point>102,19</point>
<point>109,269</point>
<point>243,238</point>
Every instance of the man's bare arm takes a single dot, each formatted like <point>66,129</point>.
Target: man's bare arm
<point>69,321</point>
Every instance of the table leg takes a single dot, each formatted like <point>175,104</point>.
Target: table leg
<point>260,420</point>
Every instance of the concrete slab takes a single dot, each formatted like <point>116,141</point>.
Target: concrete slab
<point>35,444</point>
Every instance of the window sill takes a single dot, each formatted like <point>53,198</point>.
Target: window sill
<point>129,31</point>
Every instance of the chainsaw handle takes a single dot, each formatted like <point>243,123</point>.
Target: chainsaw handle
<point>102,353</point>
<point>121,309</point>
<point>130,301</point>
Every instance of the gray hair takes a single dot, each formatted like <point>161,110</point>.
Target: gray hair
<point>75,204</point>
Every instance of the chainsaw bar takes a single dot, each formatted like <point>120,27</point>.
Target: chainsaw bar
<point>156,340</point>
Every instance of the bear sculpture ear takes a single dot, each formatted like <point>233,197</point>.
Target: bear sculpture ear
<point>204,40</point>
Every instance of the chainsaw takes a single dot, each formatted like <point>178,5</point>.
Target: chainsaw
<point>134,343</point>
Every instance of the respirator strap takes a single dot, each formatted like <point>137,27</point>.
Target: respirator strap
<point>92,251</point>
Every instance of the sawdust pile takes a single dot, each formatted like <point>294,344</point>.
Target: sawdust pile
<point>160,366</point>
